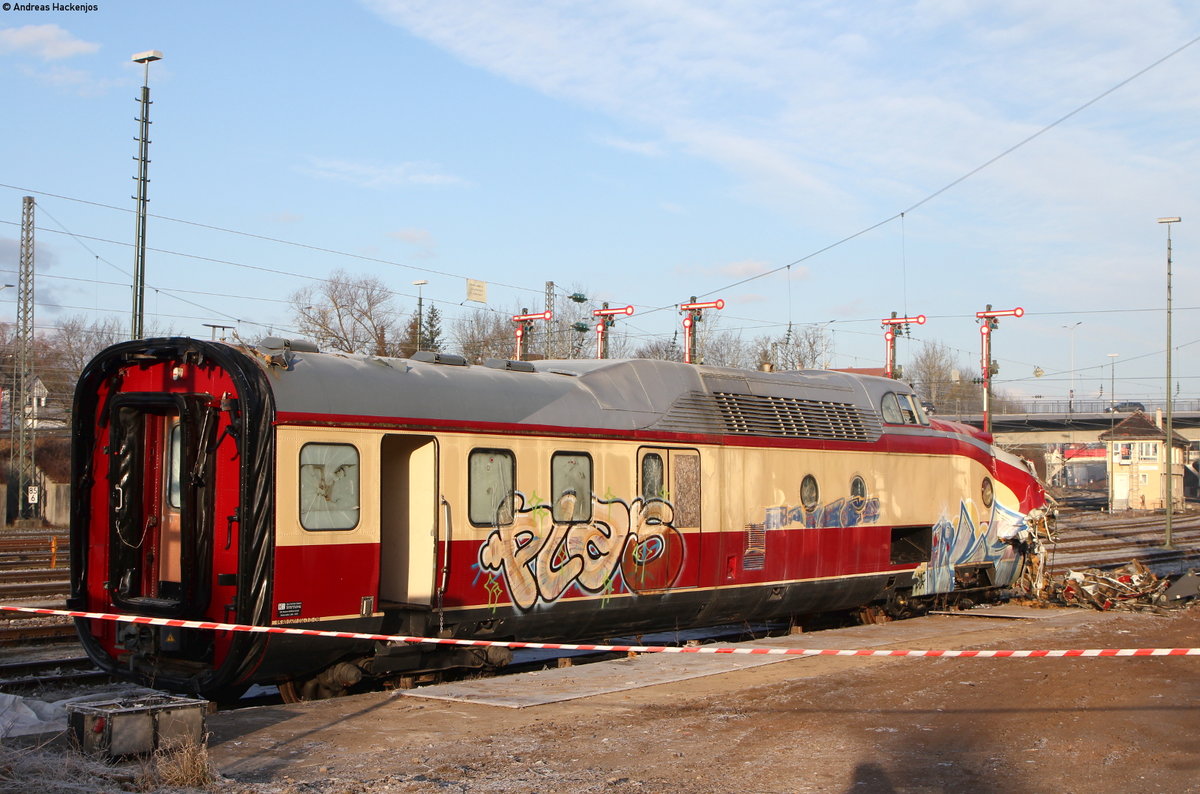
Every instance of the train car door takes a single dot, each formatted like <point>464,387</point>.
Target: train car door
<point>160,513</point>
<point>668,551</point>
<point>408,519</point>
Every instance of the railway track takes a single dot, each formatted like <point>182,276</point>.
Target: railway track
<point>1086,540</point>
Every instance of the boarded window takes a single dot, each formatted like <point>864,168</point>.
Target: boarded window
<point>329,486</point>
<point>491,473</point>
<point>571,486</point>
<point>685,493</point>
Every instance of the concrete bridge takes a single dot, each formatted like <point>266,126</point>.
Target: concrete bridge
<point>1071,427</point>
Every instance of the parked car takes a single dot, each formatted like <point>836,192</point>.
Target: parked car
<point>1124,408</point>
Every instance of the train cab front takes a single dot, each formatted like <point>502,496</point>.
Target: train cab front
<point>171,513</point>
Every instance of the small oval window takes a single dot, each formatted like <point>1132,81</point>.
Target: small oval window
<point>986,492</point>
<point>810,493</point>
<point>858,488</point>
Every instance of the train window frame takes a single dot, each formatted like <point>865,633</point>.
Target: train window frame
<point>892,416</point>
<point>858,487</point>
<point>173,471</point>
<point>661,492</point>
<point>908,408</point>
<point>497,517</point>
<point>306,516</point>
<point>583,502</point>
<point>813,501</point>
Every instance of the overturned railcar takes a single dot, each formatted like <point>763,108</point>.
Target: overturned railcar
<point>552,500</point>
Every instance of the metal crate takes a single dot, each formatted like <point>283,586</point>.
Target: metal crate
<point>136,726</point>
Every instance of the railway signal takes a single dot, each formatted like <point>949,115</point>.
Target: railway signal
<point>990,322</point>
<point>523,320</point>
<point>896,325</point>
<point>608,318</point>
<point>695,313</point>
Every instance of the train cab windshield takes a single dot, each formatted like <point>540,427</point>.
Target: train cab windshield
<point>902,409</point>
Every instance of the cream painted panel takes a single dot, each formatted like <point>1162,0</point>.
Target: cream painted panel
<point>288,441</point>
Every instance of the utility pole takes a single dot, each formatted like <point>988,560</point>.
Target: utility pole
<point>137,329</point>
<point>523,321</point>
<point>990,323</point>
<point>1170,430</point>
<point>695,313</point>
<point>21,410</point>
<point>548,338</point>
<point>894,325</point>
<point>608,318</point>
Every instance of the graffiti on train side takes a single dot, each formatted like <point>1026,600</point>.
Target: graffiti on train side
<point>845,512</point>
<point>972,539</point>
<point>540,558</point>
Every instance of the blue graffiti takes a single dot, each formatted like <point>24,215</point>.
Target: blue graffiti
<point>963,542</point>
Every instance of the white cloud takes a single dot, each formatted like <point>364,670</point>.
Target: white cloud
<point>831,111</point>
<point>421,237</point>
<point>48,42</point>
<point>377,175</point>
<point>77,81</point>
<point>644,148</point>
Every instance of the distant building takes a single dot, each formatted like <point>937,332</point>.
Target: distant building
<point>1136,457</point>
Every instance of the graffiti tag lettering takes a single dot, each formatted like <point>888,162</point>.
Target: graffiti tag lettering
<point>540,558</point>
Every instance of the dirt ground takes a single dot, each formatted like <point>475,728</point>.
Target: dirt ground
<point>811,724</point>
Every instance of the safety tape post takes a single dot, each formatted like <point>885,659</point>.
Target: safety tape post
<point>558,646</point>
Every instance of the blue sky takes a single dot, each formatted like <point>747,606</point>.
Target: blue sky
<point>642,151</point>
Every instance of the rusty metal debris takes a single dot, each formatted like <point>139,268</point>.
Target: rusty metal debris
<point>1039,534</point>
<point>1131,587</point>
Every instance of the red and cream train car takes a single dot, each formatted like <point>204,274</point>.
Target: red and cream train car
<point>550,500</point>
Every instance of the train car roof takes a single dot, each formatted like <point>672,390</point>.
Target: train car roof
<point>616,394</point>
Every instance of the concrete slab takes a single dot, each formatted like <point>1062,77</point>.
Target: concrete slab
<point>1006,612</point>
<point>598,678</point>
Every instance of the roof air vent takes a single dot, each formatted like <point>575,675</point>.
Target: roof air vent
<point>429,357</point>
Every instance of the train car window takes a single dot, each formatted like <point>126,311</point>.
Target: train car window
<point>911,545</point>
<point>571,486</point>
<point>810,493</point>
<point>175,466</point>
<point>985,492</point>
<point>653,486</point>
<point>329,486</point>
<point>491,474</point>
<point>891,410</point>
<point>907,409</point>
<point>858,488</point>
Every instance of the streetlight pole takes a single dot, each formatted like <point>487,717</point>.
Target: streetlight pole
<point>136,330</point>
<point>1170,482</point>
<point>420,313</point>
<point>1071,396</point>
<point>1112,458</point>
<point>1112,382</point>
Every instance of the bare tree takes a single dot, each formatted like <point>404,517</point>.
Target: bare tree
<point>353,314</point>
<point>800,347</point>
<point>76,341</point>
<point>482,333</point>
<point>661,349</point>
<point>945,382</point>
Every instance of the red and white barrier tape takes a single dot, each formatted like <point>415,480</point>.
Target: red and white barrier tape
<point>560,646</point>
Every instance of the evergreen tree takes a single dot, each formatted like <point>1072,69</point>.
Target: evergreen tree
<point>431,330</point>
